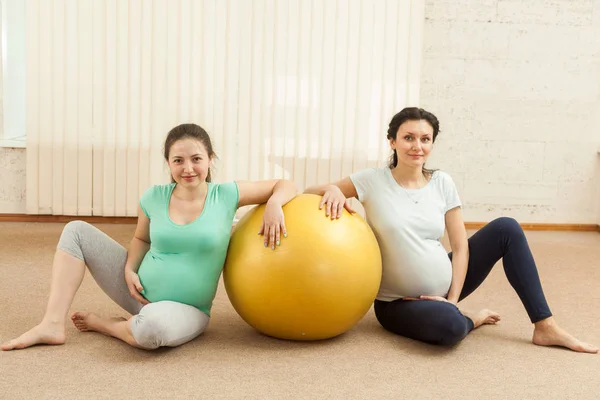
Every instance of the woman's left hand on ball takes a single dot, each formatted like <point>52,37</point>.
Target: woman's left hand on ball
<point>273,226</point>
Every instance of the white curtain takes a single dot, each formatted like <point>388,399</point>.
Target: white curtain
<point>301,89</point>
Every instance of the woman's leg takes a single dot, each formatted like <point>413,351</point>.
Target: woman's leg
<point>503,239</point>
<point>80,244</point>
<point>429,321</point>
<point>160,324</point>
<point>433,322</point>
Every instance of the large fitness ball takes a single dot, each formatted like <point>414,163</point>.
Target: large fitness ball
<point>318,284</point>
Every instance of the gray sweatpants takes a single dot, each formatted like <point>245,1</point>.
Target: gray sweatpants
<point>164,323</point>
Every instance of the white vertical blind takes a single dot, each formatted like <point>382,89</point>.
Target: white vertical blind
<point>301,89</point>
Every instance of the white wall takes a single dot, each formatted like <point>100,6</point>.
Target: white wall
<point>13,76</point>
<point>516,87</point>
<point>12,181</point>
<point>598,184</point>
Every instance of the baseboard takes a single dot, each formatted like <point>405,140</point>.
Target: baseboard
<point>66,218</point>
<point>544,227</point>
<point>133,220</point>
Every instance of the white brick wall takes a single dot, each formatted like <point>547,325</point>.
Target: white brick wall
<point>545,12</point>
<point>516,85</point>
<point>12,181</point>
<point>596,23</point>
<point>1,81</point>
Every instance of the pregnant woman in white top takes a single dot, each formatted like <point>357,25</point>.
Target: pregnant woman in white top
<point>408,207</point>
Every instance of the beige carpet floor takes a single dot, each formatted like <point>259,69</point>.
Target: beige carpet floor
<point>232,361</point>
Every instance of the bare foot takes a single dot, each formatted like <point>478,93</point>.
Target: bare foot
<point>44,333</point>
<point>87,321</point>
<point>483,317</point>
<point>548,333</point>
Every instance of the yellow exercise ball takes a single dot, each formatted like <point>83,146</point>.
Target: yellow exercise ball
<point>317,284</point>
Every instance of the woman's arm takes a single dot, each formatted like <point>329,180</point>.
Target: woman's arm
<point>278,192</point>
<point>460,252</point>
<point>334,196</point>
<point>140,244</point>
<point>344,185</point>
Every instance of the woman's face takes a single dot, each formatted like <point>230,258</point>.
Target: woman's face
<point>189,162</point>
<point>413,143</point>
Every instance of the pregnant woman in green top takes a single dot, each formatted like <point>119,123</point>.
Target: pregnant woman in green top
<point>168,278</point>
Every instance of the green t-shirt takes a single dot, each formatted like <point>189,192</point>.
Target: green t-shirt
<point>184,262</point>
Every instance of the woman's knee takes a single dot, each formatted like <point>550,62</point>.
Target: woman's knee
<point>508,227</point>
<point>444,326</point>
<point>75,227</point>
<point>508,224</point>
<point>167,323</point>
<point>149,331</point>
<point>386,317</point>
<point>70,239</point>
<point>452,331</point>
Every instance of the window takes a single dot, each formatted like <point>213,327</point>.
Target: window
<point>12,95</point>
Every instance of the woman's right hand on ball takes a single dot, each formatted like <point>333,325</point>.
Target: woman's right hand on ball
<point>135,286</point>
<point>335,202</point>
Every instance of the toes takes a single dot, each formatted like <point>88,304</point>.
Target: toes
<point>77,316</point>
<point>80,321</point>
<point>8,346</point>
<point>14,344</point>
<point>588,348</point>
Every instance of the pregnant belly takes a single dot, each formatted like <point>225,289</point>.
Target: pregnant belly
<point>412,274</point>
<point>180,284</point>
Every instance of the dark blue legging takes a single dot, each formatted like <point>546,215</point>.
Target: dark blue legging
<point>442,323</point>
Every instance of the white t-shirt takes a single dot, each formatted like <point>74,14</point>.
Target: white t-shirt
<point>409,225</point>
